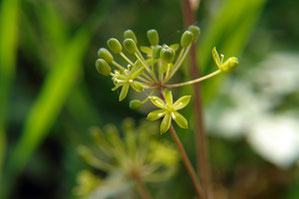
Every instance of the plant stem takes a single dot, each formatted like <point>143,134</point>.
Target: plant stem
<point>187,163</point>
<point>193,81</point>
<point>200,139</point>
<point>142,189</point>
<point>185,158</point>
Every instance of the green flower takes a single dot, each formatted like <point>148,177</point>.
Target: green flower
<point>126,78</point>
<point>168,110</point>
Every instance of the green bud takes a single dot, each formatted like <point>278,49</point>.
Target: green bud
<point>167,54</point>
<point>114,45</point>
<point>186,38</point>
<point>130,34</point>
<point>195,31</point>
<point>229,65</point>
<point>103,67</point>
<point>153,37</point>
<point>135,104</point>
<point>130,45</point>
<point>105,54</point>
<point>156,52</point>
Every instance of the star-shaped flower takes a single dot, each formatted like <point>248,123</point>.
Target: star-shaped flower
<point>168,109</point>
<point>126,78</point>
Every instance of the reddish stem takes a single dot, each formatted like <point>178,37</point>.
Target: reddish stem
<point>200,138</point>
<point>185,158</point>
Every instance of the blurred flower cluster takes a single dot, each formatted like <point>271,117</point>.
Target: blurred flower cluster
<point>136,153</point>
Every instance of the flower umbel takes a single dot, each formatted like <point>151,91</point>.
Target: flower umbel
<point>152,67</point>
<point>168,110</point>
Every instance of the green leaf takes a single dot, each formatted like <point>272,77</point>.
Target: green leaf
<point>124,91</point>
<point>154,115</point>
<point>165,124</point>
<point>180,120</point>
<point>182,102</point>
<point>230,32</point>
<point>168,97</point>
<point>61,79</point>
<point>9,20</point>
<point>158,102</point>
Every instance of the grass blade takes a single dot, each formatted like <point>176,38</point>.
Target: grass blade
<point>229,31</point>
<point>61,79</point>
<point>8,50</point>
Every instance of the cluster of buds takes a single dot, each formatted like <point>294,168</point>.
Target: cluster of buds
<point>154,70</point>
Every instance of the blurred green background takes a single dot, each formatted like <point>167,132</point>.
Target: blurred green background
<point>51,94</point>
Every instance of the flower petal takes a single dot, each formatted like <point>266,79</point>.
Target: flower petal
<point>216,57</point>
<point>168,97</point>
<point>182,102</point>
<point>124,91</point>
<point>137,86</point>
<point>146,50</point>
<point>154,115</point>
<point>137,72</point>
<point>180,120</point>
<point>165,124</point>
<point>158,102</point>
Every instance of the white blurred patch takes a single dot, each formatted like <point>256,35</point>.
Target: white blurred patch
<point>254,99</point>
<point>278,74</point>
<point>276,139</point>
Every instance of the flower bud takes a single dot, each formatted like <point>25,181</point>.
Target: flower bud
<point>103,67</point>
<point>229,65</point>
<point>135,104</point>
<point>130,34</point>
<point>167,54</point>
<point>195,31</point>
<point>153,37</point>
<point>130,45</point>
<point>156,52</point>
<point>186,39</point>
<point>114,45</point>
<point>105,54</point>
